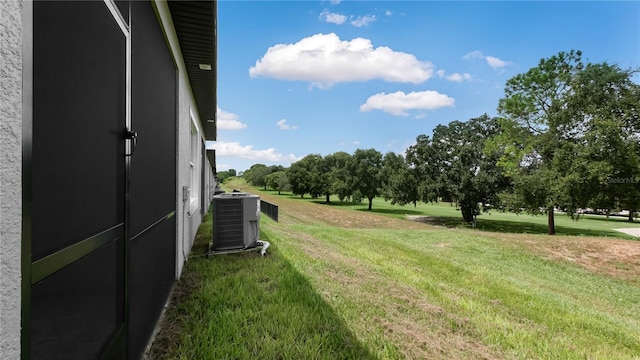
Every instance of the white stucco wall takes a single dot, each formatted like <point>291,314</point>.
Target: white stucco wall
<point>11,54</point>
<point>187,225</point>
<point>190,222</point>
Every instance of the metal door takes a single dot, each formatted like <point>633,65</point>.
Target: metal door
<point>74,242</point>
<point>152,220</point>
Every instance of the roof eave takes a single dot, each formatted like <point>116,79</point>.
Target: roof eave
<point>196,28</point>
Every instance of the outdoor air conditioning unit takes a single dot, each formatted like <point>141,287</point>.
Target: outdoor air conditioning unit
<point>236,221</point>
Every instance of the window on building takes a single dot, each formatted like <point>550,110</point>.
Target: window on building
<point>194,171</point>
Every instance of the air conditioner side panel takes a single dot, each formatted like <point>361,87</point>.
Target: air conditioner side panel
<point>251,222</point>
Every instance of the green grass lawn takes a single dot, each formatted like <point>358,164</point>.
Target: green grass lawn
<point>244,306</point>
<point>329,292</point>
<point>485,295</point>
<point>446,214</point>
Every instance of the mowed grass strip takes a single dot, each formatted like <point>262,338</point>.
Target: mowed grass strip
<point>446,214</point>
<point>356,292</point>
<point>494,299</point>
<point>244,306</point>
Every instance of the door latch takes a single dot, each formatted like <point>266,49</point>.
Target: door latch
<point>133,136</point>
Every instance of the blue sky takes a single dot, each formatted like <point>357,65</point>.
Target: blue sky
<point>303,77</point>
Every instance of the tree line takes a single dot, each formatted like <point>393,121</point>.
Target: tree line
<point>567,136</point>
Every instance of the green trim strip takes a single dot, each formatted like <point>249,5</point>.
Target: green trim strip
<point>166,217</point>
<point>58,260</point>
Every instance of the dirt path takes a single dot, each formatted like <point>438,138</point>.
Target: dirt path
<point>630,231</point>
<point>617,258</point>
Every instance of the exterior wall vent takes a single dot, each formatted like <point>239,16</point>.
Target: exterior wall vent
<point>236,221</point>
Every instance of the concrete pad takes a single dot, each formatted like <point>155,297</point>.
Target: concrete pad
<point>630,231</point>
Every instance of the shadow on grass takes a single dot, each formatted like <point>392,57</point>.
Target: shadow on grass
<point>295,197</point>
<point>532,228</point>
<point>394,212</point>
<point>334,203</point>
<point>521,227</point>
<point>244,306</point>
<point>622,220</point>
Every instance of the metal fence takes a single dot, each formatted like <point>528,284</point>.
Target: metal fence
<point>269,209</point>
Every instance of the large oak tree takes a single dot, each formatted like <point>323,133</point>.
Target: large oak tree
<point>538,134</point>
<point>454,165</point>
<point>365,170</point>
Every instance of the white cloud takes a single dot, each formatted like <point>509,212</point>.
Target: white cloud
<point>234,149</point>
<point>494,62</point>
<point>324,59</point>
<point>361,21</point>
<point>454,77</point>
<point>282,125</point>
<point>388,12</point>
<point>473,55</point>
<point>228,121</point>
<point>332,17</point>
<point>459,77</point>
<point>356,142</point>
<point>399,103</point>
